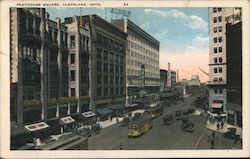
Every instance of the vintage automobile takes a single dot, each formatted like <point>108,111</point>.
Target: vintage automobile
<point>187,126</point>
<point>230,134</point>
<point>168,119</point>
<point>178,115</point>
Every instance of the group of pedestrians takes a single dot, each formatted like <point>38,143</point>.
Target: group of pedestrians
<point>220,125</point>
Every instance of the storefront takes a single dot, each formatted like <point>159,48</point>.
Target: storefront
<point>67,124</point>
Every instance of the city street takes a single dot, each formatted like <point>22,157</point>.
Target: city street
<point>162,137</point>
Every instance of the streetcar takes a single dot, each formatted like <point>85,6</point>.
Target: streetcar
<point>168,119</point>
<point>140,126</point>
<point>155,111</point>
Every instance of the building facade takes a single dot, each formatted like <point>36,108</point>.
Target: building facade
<point>142,50</point>
<point>49,69</point>
<point>107,65</point>
<point>234,69</point>
<point>217,59</point>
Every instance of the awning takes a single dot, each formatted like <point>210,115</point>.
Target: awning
<point>67,120</point>
<point>36,126</point>
<point>117,106</point>
<point>88,114</point>
<point>216,105</point>
<point>104,111</point>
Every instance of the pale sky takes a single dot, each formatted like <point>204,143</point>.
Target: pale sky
<point>182,33</point>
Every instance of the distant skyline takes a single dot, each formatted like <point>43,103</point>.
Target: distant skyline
<point>183,34</point>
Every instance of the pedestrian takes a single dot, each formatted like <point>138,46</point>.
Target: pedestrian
<point>218,126</point>
<point>213,134</point>
<point>121,147</point>
<point>235,138</point>
<point>222,124</point>
<point>212,144</point>
<point>117,120</point>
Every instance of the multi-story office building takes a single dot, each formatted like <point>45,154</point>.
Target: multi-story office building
<point>49,62</point>
<point>142,50</point>
<point>163,79</point>
<point>79,61</point>
<point>107,66</point>
<point>217,60</point>
<point>234,68</point>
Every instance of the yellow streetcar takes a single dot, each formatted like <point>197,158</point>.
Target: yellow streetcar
<point>155,111</point>
<point>140,126</point>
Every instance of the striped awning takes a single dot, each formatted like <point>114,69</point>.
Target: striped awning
<point>36,126</point>
<point>216,105</point>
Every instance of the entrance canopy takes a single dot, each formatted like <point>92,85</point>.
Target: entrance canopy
<point>118,106</point>
<point>216,105</point>
<point>104,111</point>
<point>36,127</point>
<point>67,120</point>
<point>88,114</point>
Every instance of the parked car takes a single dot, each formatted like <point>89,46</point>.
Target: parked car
<point>230,134</point>
<point>168,119</point>
<point>178,115</point>
<point>187,126</point>
<point>125,121</point>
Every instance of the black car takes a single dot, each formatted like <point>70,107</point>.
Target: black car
<point>178,115</point>
<point>168,119</point>
<point>187,126</point>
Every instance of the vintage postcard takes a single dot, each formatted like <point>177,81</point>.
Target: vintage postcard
<point>124,79</point>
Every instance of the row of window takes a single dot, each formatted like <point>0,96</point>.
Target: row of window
<point>142,49</point>
<point>108,42</point>
<point>109,56</point>
<point>133,72</point>
<point>218,39</point>
<point>108,67</point>
<point>217,29</point>
<point>138,64</point>
<point>218,70</point>
<point>217,49</point>
<point>136,37</point>
<point>105,79</point>
<point>29,23</point>
<point>218,79</point>
<point>109,91</point>
<point>83,41</point>
<point>218,91</point>
<point>218,60</point>
<point>217,10</point>
<point>217,19</point>
<point>143,57</point>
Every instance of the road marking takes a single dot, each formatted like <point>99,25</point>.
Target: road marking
<point>199,138</point>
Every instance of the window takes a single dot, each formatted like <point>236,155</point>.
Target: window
<point>220,28</point>
<point>219,9</point>
<point>220,49</point>
<point>220,91</point>
<point>220,69</point>
<point>99,79</point>
<point>72,41</point>
<point>215,19</point>
<point>215,29</point>
<point>111,80</point>
<point>215,70</point>
<point>215,91</point>
<point>99,53</point>
<point>105,67</point>
<point>72,58</point>
<point>220,79</point>
<point>215,60</point>
<point>214,10</point>
<point>72,75</point>
<point>220,39</point>
<point>219,18</point>
<point>215,79</point>
<point>106,79</point>
<point>106,92</point>
<point>99,66</point>
<point>220,59</point>
<point>215,40</point>
<point>72,92</point>
<point>99,91</point>
<point>215,50</point>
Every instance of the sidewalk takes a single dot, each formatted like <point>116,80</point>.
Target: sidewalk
<point>107,123</point>
<point>213,127</point>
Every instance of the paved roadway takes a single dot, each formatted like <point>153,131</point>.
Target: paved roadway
<point>162,137</point>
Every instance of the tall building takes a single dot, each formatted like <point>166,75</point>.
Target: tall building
<point>107,64</point>
<point>142,50</point>
<point>165,77</point>
<point>234,69</point>
<point>217,60</point>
